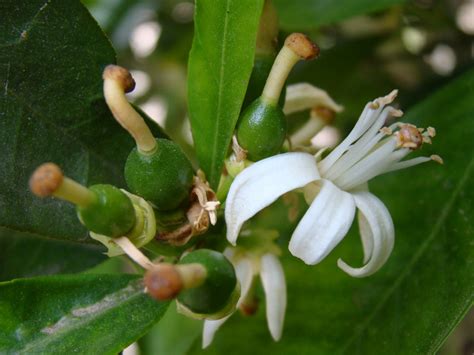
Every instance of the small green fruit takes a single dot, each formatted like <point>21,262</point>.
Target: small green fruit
<point>111,214</point>
<point>214,293</point>
<point>163,177</point>
<point>261,130</point>
<point>262,126</point>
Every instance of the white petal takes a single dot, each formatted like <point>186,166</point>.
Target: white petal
<point>365,236</point>
<point>210,329</point>
<point>262,183</point>
<point>376,223</point>
<point>244,273</point>
<point>326,222</point>
<point>274,285</point>
<point>304,96</point>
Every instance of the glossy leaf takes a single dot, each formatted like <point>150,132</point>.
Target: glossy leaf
<point>82,314</point>
<point>309,14</point>
<point>52,109</point>
<point>412,304</point>
<point>28,256</point>
<point>220,63</point>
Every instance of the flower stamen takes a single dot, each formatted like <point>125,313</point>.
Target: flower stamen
<point>436,158</point>
<point>409,136</point>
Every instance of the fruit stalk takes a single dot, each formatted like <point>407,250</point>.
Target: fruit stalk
<point>117,82</point>
<point>297,47</point>
<point>49,180</point>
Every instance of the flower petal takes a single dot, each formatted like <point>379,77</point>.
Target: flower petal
<point>366,236</point>
<point>262,183</point>
<point>376,224</point>
<point>274,285</point>
<point>244,273</point>
<point>209,330</point>
<point>304,96</point>
<point>326,222</point>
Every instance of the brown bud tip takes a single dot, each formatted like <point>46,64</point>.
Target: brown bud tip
<point>46,179</point>
<point>120,75</point>
<point>323,112</point>
<point>249,307</point>
<point>163,282</point>
<point>302,46</point>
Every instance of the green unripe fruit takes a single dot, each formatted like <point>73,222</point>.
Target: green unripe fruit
<point>163,177</point>
<point>262,126</point>
<point>261,130</point>
<point>215,292</point>
<point>111,213</point>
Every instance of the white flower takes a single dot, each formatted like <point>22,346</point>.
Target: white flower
<point>247,267</point>
<point>334,187</point>
<point>304,96</point>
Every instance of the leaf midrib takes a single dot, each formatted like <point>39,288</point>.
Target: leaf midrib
<point>220,90</point>
<point>45,339</point>
<point>417,255</point>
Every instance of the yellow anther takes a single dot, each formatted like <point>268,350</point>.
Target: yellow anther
<point>437,159</point>
<point>396,113</point>
<point>431,132</point>
<point>374,105</point>
<point>386,130</point>
<point>426,139</point>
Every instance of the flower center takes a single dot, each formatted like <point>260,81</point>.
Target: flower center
<point>372,149</point>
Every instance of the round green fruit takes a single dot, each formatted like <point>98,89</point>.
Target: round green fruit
<point>163,177</point>
<point>111,214</point>
<point>214,294</point>
<point>261,130</point>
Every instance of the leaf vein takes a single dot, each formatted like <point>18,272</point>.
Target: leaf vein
<point>220,89</point>
<point>437,227</point>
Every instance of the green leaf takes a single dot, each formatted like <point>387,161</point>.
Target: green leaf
<point>309,14</point>
<point>412,304</point>
<point>52,109</point>
<point>81,314</point>
<point>28,256</point>
<point>220,63</point>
